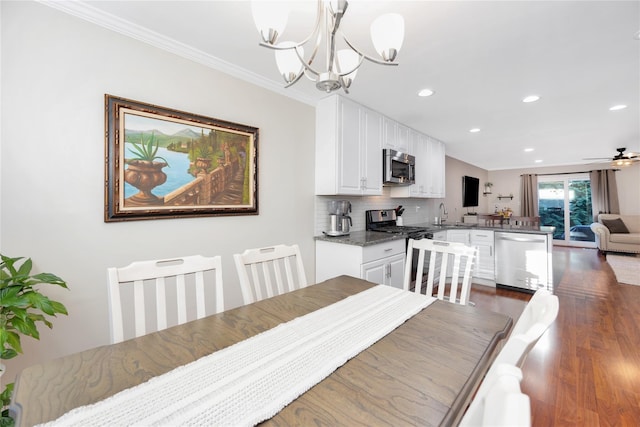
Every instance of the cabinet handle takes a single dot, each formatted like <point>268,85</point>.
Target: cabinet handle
<point>388,249</point>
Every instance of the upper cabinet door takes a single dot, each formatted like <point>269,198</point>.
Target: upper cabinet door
<point>348,148</point>
<point>350,175</point>
<point>371,131</point>
<point>395,135</point>
<point>436,184</point>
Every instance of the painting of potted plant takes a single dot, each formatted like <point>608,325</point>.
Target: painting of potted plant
<point>22,306</point>
<point>164,163</point>
<point>143,171</point>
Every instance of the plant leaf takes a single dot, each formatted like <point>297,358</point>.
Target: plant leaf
<point>26,326</point>
<point>8,354</point>
<point>50,279</point>
<point>13,340</point>
<point>58,307</point>
<point>25,268</point>
<point>9,297</point>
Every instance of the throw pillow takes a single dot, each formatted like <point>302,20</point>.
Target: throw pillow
<point>615,225</point>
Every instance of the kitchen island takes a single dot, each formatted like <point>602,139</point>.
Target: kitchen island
<point>512,256</point>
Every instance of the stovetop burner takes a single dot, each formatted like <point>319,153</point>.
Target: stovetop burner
<point>385,221</point>
<point>396,228</point>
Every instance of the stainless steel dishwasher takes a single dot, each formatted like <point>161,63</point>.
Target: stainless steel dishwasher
<point>523,260</point>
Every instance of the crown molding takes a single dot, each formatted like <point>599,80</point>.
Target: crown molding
<point>83,10</point>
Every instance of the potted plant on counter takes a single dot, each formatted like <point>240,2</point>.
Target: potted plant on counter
<point>21,307</point>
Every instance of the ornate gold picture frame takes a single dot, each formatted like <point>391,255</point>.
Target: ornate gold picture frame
<point>164,163</point>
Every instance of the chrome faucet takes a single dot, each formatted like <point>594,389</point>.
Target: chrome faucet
<point>443,212</point>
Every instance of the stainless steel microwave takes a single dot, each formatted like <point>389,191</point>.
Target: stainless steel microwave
<point>399,168</point>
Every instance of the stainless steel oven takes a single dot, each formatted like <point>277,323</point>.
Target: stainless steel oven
<point>399,168</point>
<point>385,221</point>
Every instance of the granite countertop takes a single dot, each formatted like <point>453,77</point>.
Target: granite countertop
<point>504,227</point>
<point>362,238</point>
<point>368,238</point>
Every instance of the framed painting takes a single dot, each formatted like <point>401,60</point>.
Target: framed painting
<point>164,163</point>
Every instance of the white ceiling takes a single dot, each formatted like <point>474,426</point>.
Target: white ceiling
<point>480,57</point>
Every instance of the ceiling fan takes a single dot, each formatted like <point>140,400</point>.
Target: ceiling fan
<point>620,159</point>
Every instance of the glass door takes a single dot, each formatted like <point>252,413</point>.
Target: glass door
<point>564,201</point>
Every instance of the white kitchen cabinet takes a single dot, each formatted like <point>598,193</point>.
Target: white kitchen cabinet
<point>484,267</point>
<point>395,135</point>
<point>440,235</point>
<point>430,172</point>
<point>435,186</point>
<point>386,271</point>
<point>382,263</point>
<point>460,236</point>
<point>348,148</point>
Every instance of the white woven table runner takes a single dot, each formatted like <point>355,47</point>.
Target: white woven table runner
<point>254,379</point>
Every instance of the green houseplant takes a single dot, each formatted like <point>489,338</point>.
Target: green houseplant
<point>21,307</point>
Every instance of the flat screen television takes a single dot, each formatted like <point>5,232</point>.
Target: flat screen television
<point>470,191</point>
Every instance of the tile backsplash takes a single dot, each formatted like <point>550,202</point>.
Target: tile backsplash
<point>416,210</point>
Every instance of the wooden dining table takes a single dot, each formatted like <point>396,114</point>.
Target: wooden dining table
<point>422,373</point>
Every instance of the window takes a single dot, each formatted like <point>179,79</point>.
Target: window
<point>564,201</point>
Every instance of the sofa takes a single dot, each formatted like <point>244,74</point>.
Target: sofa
<point>617,233</point>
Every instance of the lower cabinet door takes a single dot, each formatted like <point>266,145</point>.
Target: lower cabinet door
<point>385,271</point>
<point>375,271</point>
<point>396,270</point>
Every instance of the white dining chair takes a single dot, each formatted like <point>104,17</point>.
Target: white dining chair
<point>270,271</point>
<point>538,315</point>
<point>178,288</point>
<point>499,401</point>
<point>441,256</point>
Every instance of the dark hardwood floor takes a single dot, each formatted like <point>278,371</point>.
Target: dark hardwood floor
<point>585,370</point>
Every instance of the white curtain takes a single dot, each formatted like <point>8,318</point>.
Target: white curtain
<point>604,192</point>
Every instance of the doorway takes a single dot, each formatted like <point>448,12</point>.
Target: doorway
<point>564,201</point>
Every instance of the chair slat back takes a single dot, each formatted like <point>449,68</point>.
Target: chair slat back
<point>532,221</point>
<point>270,271</point>
<point>538,315</point>
<point>489,220</point>
<point>441,255</point>
<point>168,280</point>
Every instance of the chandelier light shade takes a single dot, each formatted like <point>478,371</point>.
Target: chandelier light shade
<point>270,19</point>
<point>287,61</point>
<point>387,34</point>
<point>348,60</point>
<point>341,65</point>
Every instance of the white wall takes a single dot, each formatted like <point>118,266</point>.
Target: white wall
<point>456,169</point>
<point>55,72</point>
<point>627,179</point>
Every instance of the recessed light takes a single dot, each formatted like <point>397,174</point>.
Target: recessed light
<point>637,36</point>
<point>538,161</point>
<point>530,98</point>
<point>474,130</point>
<point>617,107</point>
<point>426,92</point>
<point>528,150</point>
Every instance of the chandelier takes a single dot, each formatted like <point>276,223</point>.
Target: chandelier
<point>340,66</point>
